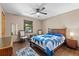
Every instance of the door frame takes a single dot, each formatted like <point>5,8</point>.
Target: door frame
<point>3,24</point>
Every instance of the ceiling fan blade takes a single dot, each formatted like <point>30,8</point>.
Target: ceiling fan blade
<point>43,13</point>
<point>42,9</point>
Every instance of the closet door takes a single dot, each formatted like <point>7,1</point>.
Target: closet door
<point>3,25</point>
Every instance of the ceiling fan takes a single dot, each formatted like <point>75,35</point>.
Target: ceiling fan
<point>39,10</point>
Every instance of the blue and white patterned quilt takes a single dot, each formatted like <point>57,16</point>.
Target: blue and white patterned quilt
<point>48,41</point>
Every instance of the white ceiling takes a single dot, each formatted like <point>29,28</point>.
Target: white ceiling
<point>52,9</point>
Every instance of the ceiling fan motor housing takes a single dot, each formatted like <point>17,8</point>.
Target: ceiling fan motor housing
<point>38,10</point>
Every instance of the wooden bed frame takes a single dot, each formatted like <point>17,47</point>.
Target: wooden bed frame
<point>62,31</point>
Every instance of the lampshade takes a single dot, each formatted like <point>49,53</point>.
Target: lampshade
<point>39,31</point>
<point>71,34</point>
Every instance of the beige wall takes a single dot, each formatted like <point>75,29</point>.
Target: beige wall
<point>69,20</point>
<point>19,20</point>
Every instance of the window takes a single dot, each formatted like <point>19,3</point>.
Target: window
<point>28,28</point>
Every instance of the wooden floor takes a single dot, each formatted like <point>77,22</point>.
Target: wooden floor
<point>63,51</point>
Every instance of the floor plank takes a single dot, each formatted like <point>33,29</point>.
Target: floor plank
<point>63,51</point>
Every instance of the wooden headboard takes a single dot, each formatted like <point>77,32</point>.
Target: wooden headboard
<point>62,31</point>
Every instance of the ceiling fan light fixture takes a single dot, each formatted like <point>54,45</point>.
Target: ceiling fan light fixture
<point>38,13</point>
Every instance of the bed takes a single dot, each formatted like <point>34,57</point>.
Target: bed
<point>50,41</point>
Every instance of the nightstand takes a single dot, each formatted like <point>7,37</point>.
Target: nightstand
<point>71,43</point>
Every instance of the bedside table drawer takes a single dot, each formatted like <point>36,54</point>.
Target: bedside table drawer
<point>71,43</point>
